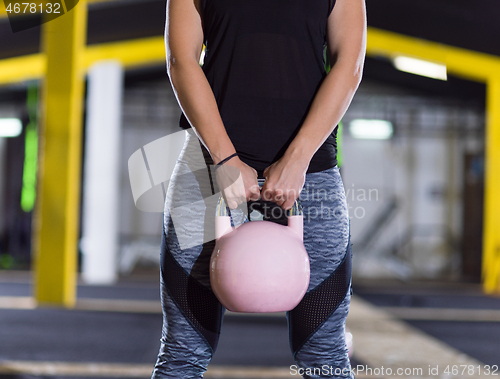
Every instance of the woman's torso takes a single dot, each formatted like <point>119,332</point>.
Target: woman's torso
<point>264,60</point>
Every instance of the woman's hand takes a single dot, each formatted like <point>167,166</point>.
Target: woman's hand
<point>284,180</point>
<point>238,182</point>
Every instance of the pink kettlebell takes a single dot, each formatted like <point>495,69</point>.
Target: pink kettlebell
<point>260,266</point>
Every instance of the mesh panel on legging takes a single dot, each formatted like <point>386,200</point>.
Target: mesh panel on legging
<point>197,302</point>
<point>319,303</point>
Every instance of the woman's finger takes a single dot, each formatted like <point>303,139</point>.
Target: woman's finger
<point>254,193</point>
<point>288,204</point>
<point>234,194</point>
<point>267,193</point>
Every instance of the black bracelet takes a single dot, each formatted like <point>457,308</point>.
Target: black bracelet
<point>226,159</point>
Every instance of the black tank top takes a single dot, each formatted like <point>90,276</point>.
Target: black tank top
<point>265,61</point>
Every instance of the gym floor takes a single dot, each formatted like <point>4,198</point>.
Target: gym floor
<point>424,330</point>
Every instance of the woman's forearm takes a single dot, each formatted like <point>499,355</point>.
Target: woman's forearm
<point>346,41</point>
<point>197,101</point>
<point>327,109</point>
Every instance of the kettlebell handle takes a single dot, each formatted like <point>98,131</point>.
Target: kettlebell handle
<point>223,217</point>
<point>223,209</point>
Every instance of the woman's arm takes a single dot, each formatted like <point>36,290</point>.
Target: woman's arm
<point>183,45</point>
<point>346,45</point>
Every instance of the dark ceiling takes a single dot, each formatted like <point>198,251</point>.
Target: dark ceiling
<point>471,24</point>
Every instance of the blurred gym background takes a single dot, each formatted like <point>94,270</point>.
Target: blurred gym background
<point>419,155</point>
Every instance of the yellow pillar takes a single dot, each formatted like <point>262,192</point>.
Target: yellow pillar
<point>58,201</point>
<point>491,238</point>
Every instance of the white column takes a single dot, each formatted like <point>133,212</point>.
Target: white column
<point>101,173</point>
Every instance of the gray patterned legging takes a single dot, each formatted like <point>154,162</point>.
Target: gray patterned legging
<point>192,316</point>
